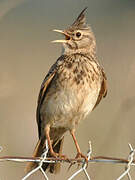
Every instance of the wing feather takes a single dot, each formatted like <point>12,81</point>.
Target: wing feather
<point>44,87</point>
<point>103,90</point>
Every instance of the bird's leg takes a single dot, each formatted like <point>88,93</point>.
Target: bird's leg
<point>54,154</point>
<point>79,154</point>
<point>47,133</point>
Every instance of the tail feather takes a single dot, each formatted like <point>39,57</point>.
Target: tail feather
<point>53,167</point>
<point>37,153</point>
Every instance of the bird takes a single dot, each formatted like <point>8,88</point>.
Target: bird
<point>72,88</point>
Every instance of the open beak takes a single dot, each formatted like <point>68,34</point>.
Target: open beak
<point>67,37</point>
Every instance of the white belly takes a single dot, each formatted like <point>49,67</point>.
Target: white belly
<point>66,108</point>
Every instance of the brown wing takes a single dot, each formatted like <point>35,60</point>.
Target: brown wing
<point>45,86</point>
<point>103,90</point>
<point>42,94</point>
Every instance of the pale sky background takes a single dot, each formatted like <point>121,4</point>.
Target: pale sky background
<point>8,5</point>
<point>26,55</point>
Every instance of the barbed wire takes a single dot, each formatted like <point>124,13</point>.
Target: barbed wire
<point>130,161</point>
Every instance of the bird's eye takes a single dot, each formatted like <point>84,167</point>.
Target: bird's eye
<point>78,34</point>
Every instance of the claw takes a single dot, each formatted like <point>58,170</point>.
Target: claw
<point>64,157</point>
<point>80,155</point>
<point>56,155</point>
<point>53,154</point>
<point>71,164</point>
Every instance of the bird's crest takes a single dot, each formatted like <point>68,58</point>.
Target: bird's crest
<point>80,22</point>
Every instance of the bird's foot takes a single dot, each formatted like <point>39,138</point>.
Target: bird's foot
<point>54,154</point>
<point>63,157</point>
<point>80,155</point>
<point>57,155</point>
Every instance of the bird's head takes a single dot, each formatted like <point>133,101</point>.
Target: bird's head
<point>79,37</point>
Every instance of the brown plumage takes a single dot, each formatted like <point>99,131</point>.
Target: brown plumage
<point>73,87</point>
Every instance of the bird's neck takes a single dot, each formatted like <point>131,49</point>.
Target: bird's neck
<point>84,51</point>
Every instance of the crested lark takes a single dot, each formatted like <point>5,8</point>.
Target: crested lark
<point>73,87</point>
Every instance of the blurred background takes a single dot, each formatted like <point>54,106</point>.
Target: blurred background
<point>26,55</point>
